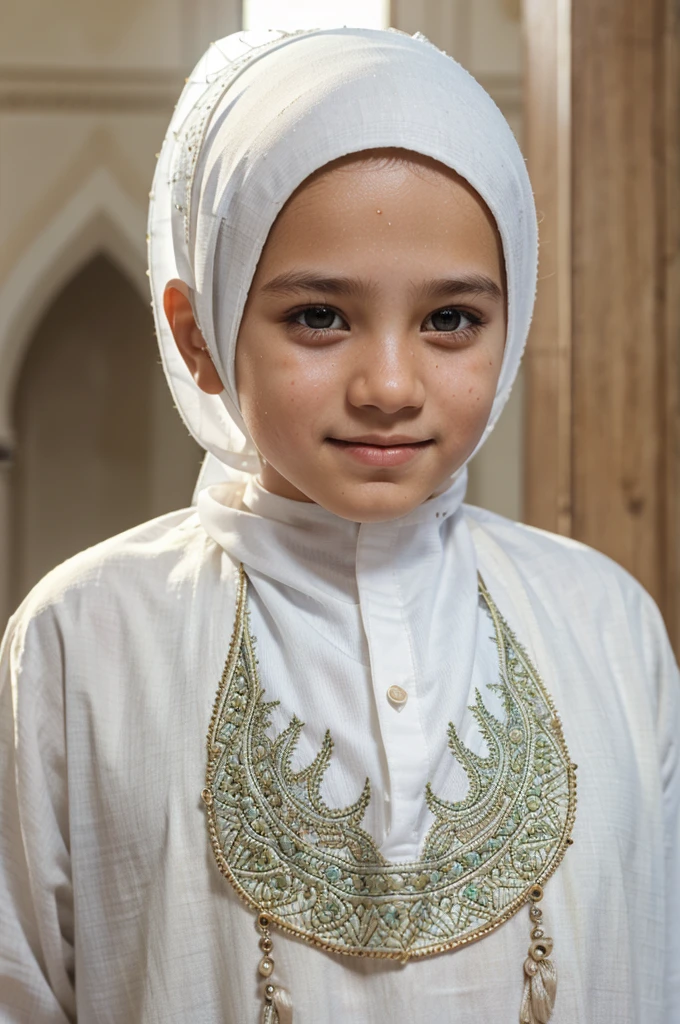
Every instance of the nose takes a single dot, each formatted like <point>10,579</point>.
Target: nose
<point>386,375</point>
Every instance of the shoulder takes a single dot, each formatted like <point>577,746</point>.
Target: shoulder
<point>149,570</point>
<point>576,583</point>
<point>539,553</point>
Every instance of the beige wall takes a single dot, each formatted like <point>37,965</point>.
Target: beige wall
<point>86,91</point>
<point>93,420</point>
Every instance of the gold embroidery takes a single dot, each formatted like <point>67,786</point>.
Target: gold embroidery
<point>318,874</point>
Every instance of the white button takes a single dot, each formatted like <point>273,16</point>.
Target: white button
<point>397,695</point>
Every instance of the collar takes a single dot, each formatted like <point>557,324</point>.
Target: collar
<point>306,547</point>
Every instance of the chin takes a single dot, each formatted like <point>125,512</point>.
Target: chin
<point>374,503</point>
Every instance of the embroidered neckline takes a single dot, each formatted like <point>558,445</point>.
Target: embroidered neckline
<point>317,874</point>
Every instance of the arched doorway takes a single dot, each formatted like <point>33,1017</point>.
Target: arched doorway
<point>99,446</point>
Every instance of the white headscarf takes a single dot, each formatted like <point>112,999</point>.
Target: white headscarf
<point>263,111</point>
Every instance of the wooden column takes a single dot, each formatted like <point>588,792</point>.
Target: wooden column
<point>601,130</point>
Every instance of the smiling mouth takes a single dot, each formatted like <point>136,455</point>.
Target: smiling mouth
<point>385,452</point>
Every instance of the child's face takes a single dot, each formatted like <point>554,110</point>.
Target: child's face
<point>372,339</point>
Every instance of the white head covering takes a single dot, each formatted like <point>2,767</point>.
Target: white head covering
<point>259,114</point>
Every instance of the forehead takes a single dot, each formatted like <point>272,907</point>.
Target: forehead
<point>386,206</point>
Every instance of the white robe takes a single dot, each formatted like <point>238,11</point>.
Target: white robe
<point>113,910</point>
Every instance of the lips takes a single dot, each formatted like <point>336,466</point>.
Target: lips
<point>379,450</point>
<point>383,440</point>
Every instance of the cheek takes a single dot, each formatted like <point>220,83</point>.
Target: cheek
<point>282,390</point>
<point>466,384</point>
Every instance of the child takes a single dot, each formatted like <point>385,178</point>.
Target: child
<point>352,209</point>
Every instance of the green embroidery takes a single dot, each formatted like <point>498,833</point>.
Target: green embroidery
<point>318,874</point>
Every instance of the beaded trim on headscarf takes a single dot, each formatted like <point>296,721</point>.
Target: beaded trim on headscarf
<point>193,130</point>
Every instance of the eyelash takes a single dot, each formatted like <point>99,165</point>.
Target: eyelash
<point>476,322</point>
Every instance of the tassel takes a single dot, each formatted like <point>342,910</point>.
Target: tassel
<point>540,974</point>
<point>278,1006</point>
<point>539,992</point>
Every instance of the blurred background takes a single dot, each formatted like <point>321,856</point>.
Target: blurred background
<point>90,443</point>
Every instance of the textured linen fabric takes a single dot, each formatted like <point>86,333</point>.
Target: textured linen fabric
<point>110,670</point>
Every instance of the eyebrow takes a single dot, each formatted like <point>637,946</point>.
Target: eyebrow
<point>466,284</point>
<point>445,287</point>
<point>300,281</point>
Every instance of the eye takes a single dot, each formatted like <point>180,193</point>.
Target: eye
<point>449,320</point>
<point>320,318</point>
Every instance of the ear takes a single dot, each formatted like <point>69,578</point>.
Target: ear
<point>189,339</point>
